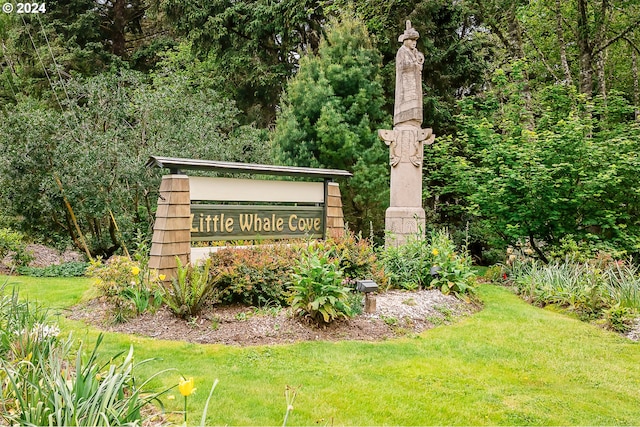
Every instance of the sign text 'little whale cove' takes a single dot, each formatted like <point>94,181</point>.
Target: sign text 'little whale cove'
<point>231,222</point>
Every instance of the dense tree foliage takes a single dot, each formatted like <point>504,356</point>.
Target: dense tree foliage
<point>456,53</point>
<point>535,105</point>
<point>254,46</point>
<point>564,167</point>
<point>80,172</point>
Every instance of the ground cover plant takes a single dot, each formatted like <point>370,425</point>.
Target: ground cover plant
<point>67,269</point>
<point>511,363</point>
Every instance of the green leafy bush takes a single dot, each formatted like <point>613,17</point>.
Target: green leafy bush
<point>454,272</point>
<point>409,266</point>
<point>619,318</point>
<point>129,286</point>
<point>190,290</point>
<point>357,258</point>
<point>316,288</point>
<point>254,276</point>
<point>12,243</point>
<point>67,269</point>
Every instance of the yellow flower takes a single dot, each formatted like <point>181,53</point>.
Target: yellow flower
<point>186,387</point>
<point>162,277</point>
<point>435,252</point>
<point>135,270</point>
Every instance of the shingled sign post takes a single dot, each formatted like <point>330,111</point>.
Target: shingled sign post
<point>196,208</point>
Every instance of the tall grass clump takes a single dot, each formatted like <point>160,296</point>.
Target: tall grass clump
<point>25,330</point>
<point>44,384</point>
<point>602,290</point>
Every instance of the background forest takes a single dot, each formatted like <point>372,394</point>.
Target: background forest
<point>536,105</point>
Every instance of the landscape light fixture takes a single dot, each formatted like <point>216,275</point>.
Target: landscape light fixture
<point>368,287</point>
<point>435,271</point>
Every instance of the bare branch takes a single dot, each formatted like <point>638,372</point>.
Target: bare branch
<point>614,39</point>
<point>541,56</point>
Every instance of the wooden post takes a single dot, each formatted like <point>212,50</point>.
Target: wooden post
<point>172,228</point>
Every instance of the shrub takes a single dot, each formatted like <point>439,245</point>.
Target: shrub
<point>254,276</point>
<point>129,286</point>
<point>191,290</point>
<point>357,258</point>
<point>619,318</point>
<point>454,272</point>
<point>12,243</point>
<point>316,288</point>
<point>409,266</point>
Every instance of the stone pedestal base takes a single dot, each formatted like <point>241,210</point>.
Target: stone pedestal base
<point>400,223</point>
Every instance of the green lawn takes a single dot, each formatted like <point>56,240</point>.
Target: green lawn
<point>510,364</point>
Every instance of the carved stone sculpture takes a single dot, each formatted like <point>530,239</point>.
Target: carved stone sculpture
<point>405,215</point>
<point>408,102</point>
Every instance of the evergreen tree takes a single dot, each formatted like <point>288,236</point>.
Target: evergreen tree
<point>330,115</point>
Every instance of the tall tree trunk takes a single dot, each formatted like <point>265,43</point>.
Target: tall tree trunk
<point>636,85</point>
<point>563,46</point>
<point>601,28</point>
<point>515,32</point>
<point>119,24</point>
<point>602,80</point>
<point>586,50</point>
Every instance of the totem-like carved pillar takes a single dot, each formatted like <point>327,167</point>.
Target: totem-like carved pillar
<point>406,141</point>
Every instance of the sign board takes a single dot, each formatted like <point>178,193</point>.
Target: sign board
<point>249,222</point>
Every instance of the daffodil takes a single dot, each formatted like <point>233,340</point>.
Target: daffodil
<point>135,270</point>
<point>435,251</point>
<point>186,387</point>
<point>162,277</point>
